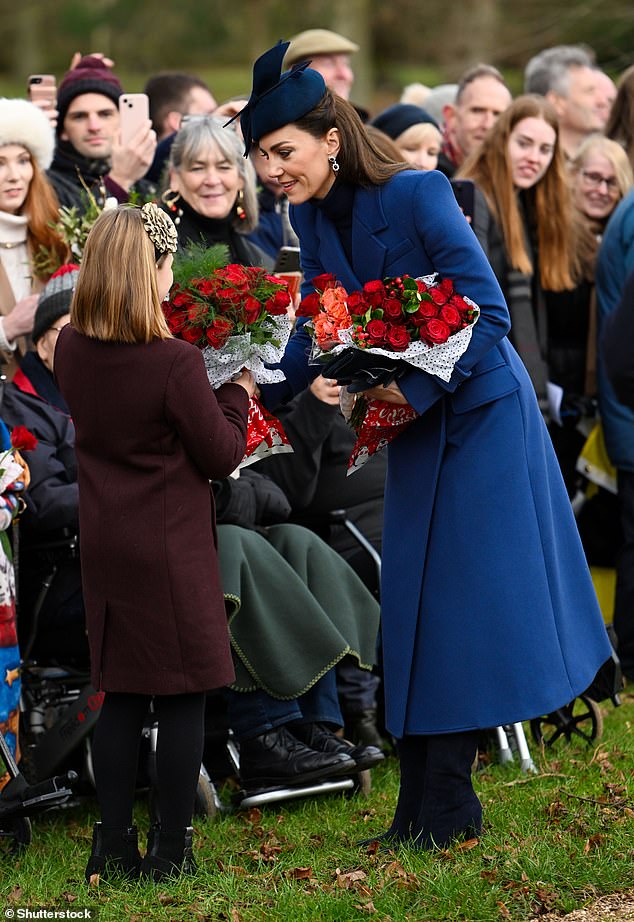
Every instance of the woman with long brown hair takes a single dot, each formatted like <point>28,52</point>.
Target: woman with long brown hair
<point>525,223</point>
<point>28,208</point>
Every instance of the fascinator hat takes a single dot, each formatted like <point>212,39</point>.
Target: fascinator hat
<point>278,98</point>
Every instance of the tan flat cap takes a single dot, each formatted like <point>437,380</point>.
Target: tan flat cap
<point>306,45</point>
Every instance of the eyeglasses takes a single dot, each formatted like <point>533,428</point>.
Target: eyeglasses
<point>595,180</point>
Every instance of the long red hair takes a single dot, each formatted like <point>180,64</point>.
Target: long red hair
<point>42,208</point>
<point>549,200</point>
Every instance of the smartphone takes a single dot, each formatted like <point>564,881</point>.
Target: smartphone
<point>464,190</point>
<point>134,109</point>
<point>287,260</point>
<point>41,88</point>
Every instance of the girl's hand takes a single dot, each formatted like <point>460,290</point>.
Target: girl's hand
<point>391,394</point>
<point>246,380</point>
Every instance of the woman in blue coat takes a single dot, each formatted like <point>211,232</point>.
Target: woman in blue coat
<point>489,614</point>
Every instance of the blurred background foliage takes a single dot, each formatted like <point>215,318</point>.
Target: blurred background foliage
<point>401,41</point>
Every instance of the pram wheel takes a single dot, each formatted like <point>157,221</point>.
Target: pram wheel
<point>15,834</point>
<point>581,719</point>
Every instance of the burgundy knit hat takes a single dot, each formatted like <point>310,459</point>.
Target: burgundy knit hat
<point>90,76</point>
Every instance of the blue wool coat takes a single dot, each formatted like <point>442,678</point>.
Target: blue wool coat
<point>489,615</point>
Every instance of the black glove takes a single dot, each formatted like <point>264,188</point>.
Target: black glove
<point>361,370</point>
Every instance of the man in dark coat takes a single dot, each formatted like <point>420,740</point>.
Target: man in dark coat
<point>89,152</point>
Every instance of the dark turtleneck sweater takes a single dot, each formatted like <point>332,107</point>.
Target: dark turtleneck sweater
<point>337,206</point>
<point>193,227</point>
<point>67,168</point>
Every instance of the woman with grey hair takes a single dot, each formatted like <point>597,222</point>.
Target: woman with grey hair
<point>212,190</point>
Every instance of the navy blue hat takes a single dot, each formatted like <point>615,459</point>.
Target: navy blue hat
<point>398,118</point>
<point>278,98</point>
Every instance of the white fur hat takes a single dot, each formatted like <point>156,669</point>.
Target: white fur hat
<point>21,122</point>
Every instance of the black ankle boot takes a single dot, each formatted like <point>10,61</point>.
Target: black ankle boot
<point>115,853</point>
<point>169,854</point>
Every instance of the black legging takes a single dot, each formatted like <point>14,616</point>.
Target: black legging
<point>179,753</point>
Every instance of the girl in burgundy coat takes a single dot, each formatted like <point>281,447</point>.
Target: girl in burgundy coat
<point>150,435</point>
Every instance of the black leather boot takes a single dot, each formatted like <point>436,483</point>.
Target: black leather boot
<point>169,854</point>
<point>278,758</point>
<point>115,853</point>
<point>320,738</point>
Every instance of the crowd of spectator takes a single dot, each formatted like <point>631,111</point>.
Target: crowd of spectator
<point>553,209</point>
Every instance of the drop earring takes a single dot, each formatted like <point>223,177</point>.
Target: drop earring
<point>169,199</point>
<point>333,163</point>
<point>240,206</point>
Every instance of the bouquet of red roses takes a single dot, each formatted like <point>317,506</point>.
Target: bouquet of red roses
<point>237,315</point>
<point>369,337</point>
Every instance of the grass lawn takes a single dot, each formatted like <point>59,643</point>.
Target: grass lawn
<point>554,842</point>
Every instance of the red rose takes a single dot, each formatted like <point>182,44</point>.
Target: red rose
<point>446,286</point>
<point>376,330</point>
<point>176,321</point>
<point>251,309</point>
<point>218,332</point>
<point>374,292</point>
<point>205,286</point>
<point>192,334</point>
<point>427,310</point>
<point>279,302</point>
<point>193,313</point>
<point>22,439</point>
<point>181,299</point>
<point>392,309</point>
<point>422,287</point>
<point>451,316</point>
<point>357,305</point>
<point>398,337</point>
<point>435,332</point>
<point>324,281</point>
<point>309,306</point>
<point>438,296</point>
<point>461,306</point>
<point>234,274</point>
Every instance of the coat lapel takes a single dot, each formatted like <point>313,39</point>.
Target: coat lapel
<point>368,251</point>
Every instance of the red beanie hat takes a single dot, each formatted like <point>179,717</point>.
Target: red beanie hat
<point>90,76</point>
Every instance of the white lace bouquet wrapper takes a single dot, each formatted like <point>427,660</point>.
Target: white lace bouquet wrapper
<point>438,359</point>
<point>240,352</point>
<point>10,471</point>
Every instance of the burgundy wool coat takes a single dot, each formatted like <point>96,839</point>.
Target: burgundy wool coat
<point>151,433</point>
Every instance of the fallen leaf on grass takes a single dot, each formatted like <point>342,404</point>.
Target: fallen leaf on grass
<point>235,915</point>
<point>16,894</point>
<point>350,879</point>
<point>165,899</point>
<point>489,875</point>
<point>94,880</point>
<point>254,816</point>
<point>365,907</point>
<point>69,897</point>
<point>504,912</point>
<point>300,873</point>
<point>595,841</point>
<point>467,845</point>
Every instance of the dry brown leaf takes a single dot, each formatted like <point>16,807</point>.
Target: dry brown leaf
<point>489,875</point>
<point>235,915</point>
<point>504,912</point>
<point>467,845</point>
<point>165,899</point>
<point>350,879</point>
<point>16,894</point>
<point>365,907</point>
<point>94,880</point>
<point>300,873</point>
<point>254,815</point>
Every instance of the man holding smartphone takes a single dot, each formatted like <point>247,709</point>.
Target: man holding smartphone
<point>89,146</point>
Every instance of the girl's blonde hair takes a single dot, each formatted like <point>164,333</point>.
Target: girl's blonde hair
<point>117,298</point>
<point>549,201</point>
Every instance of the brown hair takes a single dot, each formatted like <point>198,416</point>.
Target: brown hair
<point>549,200</point>
<point>116,297</point>
<point>42,208</point>
<point>361,162</point>
<point>620,126</point>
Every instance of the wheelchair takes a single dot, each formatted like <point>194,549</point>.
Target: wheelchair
<point>60,708</point>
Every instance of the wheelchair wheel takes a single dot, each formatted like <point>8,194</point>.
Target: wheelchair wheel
<point>206,800</point>
<point>581,719</point>
<point>15,834</point>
